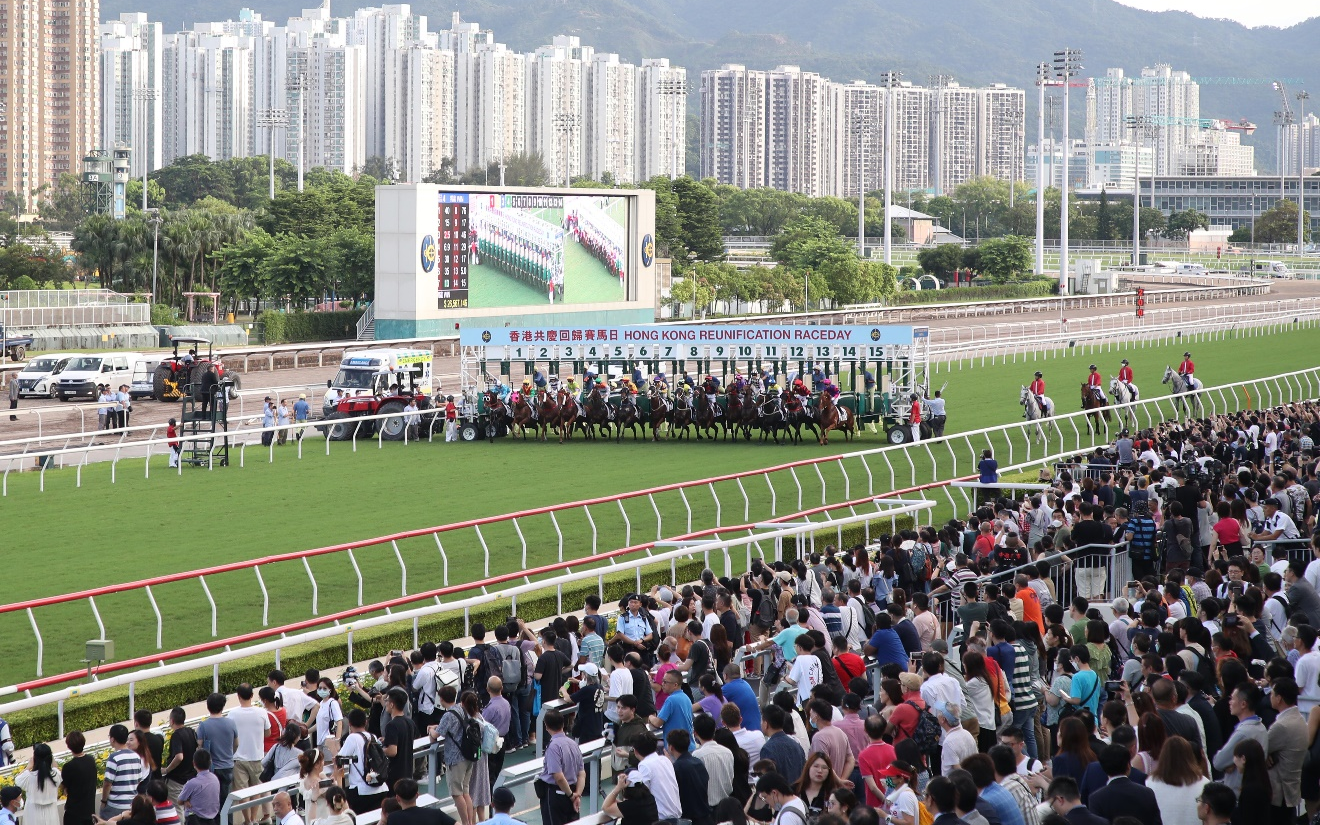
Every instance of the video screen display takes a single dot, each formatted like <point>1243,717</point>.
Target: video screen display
<point>515,250</point>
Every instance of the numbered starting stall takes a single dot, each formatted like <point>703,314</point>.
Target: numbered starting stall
<point>877,368</point>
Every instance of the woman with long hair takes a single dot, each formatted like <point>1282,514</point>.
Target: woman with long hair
<point>1231,674</point>
<point>816,784</point>
<point>982,698</point>
<point>719,642</point>
<point>336,808</point>
<point>1060,683</point>
<point>328,716</point>
<point>729,812</point>
<point>138,744</point>
<point>1177,781</point>
<point>1255,794</point>
<point>1227,533</point>
<point>283,755</point>
<point>1151,736</point>
<point>742,764</point>
<point>712,695</point>
<point>41,785</point>
<point>311,766</point>
<point>862,564</point>
<point>1074,753</point>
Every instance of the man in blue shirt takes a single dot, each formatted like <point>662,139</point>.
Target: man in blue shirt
<point>982,769</point>
<point>737,691</point>
<point>1085,690</point>
<point>301,411</point>
<point>676,714</point>
<point>1003,636</point>
<point>780,747</point>
<point>502,800</point>
<point>218,736</point>
<point>885,645</point>
<point>634,628</point>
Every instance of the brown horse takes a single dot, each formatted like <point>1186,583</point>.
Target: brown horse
<point>498,413</point>
<point>750,414</point>
<point>522,416</point>
<point>680,421</point>
<point>628,416</point>
<point>733,412</point>
<point>834,417</point>
<point>568,415</point>
<point>705,417</point>
<point>660,409</point>
<point>598,414</point>
<point>1096,407</point>
<point>547,413</point>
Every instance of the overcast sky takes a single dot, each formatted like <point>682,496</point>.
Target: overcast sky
<point>1246,12</point>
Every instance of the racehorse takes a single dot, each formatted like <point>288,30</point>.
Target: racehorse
<point>771,417</point>
<point>627,416</point>
<point>733,412</point>
<point>522,415</point>
<point>660,408</point>
<point>804,415</point>
<point>750,413</point>
<point>681,420</point>
<point>1096,407</point>
<point>705,418</point>
<point>834,417</point>
<point>598,414</point>
<point>498,413</point>
<point>568,415</point>
<point>1123,395</point>
<point>547,413</point>
<point>1181,392</point>
<point>1034,411</point>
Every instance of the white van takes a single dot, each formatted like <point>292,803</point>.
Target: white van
<point>37,379</point>
<point>143,384</point>
<point>80,376</point>
<point>1190,269</point>
<point>1269,269</point>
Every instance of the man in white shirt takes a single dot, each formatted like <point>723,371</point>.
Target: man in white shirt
<point>1313,569</point>
<point>365,789</point>
<point>657,773</point>
<point>252,723</point>
<point>749,740</point>
<point>424,685</point>
<point>292,699</point>
<point>1278,524</point>
<point>1307,670</point>
<point>956,742</point>
<point>806,672</point>
<point>717,759</point>
<point>621,682</point>
<point>938,686</point>
<point>284,812</point>
<point>853,629</point>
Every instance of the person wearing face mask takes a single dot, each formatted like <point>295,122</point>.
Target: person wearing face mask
<point>328,716</point>
<point>778,793</point>
<point>11,800</point>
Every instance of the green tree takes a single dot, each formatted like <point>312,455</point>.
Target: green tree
<point>1279,224</point>
<point>1104,218</point>
<point>352,270</point>
<point>523,169</point>
<point>1188,220</point>
<point>699,220</point>
<point>1004,259</point>
<point>838,213</point>
<point>64,203</point>
<point>442,174</point>
<point>242,267</point>
<point>691,289</point>
<point>941,260</point>
<point>380,168</point>
<point>193,177</point>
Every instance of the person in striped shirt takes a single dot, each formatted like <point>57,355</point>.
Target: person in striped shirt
<point>123,771</point>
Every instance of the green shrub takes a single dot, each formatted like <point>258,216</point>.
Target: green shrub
<point>1037,288</point>
<point>163,315</point>
<point>296,327</point>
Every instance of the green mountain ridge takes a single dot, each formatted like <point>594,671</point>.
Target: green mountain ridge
<point>976,41</point>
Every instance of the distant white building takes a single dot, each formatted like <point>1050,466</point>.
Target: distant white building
<point>419,110</point>
<point>1217,152</point>
<point>661,132</point>
<point>1053,159</point>
<point>490,104</point>
<point>611,119</point>
<point>1116,166</point>
<point>207,109</point>
<point>132,99</point>
<point>381,32</point>
<point>556,106</point>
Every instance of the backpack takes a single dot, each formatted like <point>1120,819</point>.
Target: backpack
<point>921,562</point>
<point>492,664</point>
<point>445,676</point>
<point>1297,498</point>
<point>377,762</point>
<point>467,679</point>
<point>927,732</point>
<point>867,618</point>
<point>470,736</point>
<point>743,610</point>
<point>512,668</point>
<point>490,738</point>
<point>765,611</point>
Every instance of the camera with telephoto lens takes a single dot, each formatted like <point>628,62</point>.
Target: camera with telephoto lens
<point>343,761</point>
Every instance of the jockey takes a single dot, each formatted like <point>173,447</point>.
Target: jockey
<point>603,390</point>
<point>799,388</point>
<point>1125,378</point>
<point>1038,388</point>
<point>572,386</point>
<point>1093,381</point>
<point>794,401</point>
<point>1187,370</point>
<point>739,382</point>
<point>527,391</point>
<point>687,379</point>
<point>659,383</point>
<point>832,389</point>
<point>504,392</point>
<point>711,387</point>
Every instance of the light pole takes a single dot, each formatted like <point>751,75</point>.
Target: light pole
<point>299,85</point>
<point>1302,97</point>
<point>273,119</point>
<point>889,80</point>
<point>146,95</point>
<point>1042,77</point>
<point>1140,125</point>
<point>565,124</point>
<point>1067,63</point>
<point>155,248</point>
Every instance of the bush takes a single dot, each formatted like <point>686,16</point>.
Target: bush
<point>163,315</point>
<point>110,706</point>
<point>296,327</point>
<point>1037,288</point>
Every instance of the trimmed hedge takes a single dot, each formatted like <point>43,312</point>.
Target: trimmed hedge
<point>1037,288</point>
<point>110,706</point>
<point>856,534</point>
<point>296,327</point>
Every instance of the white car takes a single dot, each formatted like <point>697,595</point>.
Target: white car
<point>38,379</point>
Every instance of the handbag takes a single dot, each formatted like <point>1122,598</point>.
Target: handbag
<point>1068,709</point>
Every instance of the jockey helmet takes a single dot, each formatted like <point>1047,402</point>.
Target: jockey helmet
<point>1124,362</point>
<point>1094,368</point>
<point>1040,374</point>
<point>1187,355</point>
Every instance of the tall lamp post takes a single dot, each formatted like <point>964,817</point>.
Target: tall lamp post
<point>1302,97</point>
<point>146,95</point>
<point>889,80</point>
<point>1140,125</point>
<point>272,119</point>
<point>1042,78</point>
<point>1067,63</point>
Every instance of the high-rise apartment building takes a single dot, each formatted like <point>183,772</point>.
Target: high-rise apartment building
<point>1171,99</point>
<point>207,81</point>
<point>49,85</point>
<point>910,136</point>
<point>556,106</point>
<point>800,122</point>
<point>1000,139</point>
<point>419,110</point>
<point>734,126</point>
<point>953,135</point>
<point>1217,152</point>
<point>611,119</point>
<point>132,52</point>
<point>859,148</point>
<point>335,114</point>
<point>381,31</point>
<point>490,106</point>
<point>661,130</point>
<point>1299,139</point>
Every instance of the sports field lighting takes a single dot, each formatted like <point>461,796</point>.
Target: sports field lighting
<point>1067,63</point>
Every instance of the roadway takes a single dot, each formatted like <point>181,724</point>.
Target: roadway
<point>62,425</point>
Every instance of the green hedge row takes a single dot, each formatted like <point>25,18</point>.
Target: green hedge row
<point>1037,288</point>
<point>296,327</point>
<point>107,707</point>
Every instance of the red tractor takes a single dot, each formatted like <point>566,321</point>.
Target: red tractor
<point>197,372</point>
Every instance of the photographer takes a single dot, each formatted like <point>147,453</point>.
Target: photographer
<point>365,789</point>
<point>370,699</point>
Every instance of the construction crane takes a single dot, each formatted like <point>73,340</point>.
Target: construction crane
<point>1243,125</point>
<point>1201,81</point>
<point>1283,118</point>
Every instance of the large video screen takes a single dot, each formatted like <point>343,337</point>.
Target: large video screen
<point>518,250</point>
